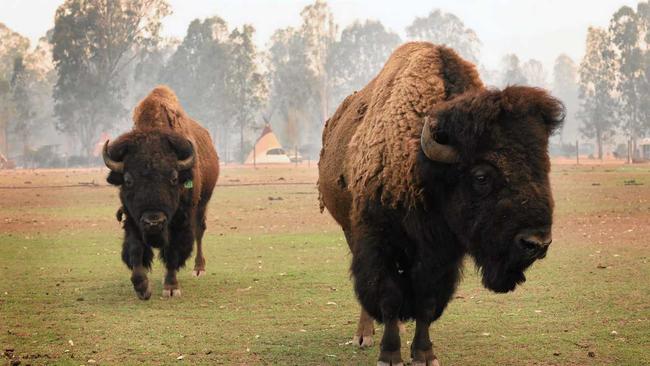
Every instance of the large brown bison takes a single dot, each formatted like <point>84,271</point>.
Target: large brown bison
<point>166,168</point>
<point>425,165</point>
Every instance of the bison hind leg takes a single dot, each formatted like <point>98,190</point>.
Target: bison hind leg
<point>199,260</point>
<point>363,337</point>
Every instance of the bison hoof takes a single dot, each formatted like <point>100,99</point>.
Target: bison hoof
<point>424,358</point>
<point>144,295</point>
<point>142,288</point>
<point>363,341</point>
<point>427,363</point>
<point>198,272</point>
<point>388,358</point>
<point>175,292</point>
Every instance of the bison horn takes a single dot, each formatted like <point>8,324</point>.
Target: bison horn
<point>116,166</point>
<point>188,162</point>
<point>433,149</point>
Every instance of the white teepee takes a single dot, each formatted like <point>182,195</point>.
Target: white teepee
<point>267,150</point>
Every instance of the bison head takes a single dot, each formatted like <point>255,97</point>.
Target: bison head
<point>151,168</point>
<point>491,146</point>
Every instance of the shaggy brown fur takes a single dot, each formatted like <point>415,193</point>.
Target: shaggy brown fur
<point>370,144</point>
<point>161,110</point>
<point>409,215</point>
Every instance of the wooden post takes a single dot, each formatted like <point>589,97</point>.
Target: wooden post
<point>254,157</point>
<point>629,151</point>
<point>577,153</point>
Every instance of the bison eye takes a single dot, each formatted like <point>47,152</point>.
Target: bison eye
<point>481,179</point>
<point>128,180</point>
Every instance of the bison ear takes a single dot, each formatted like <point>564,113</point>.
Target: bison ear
<point>185,175</point>
<point>528,101</point>
<point>116,179</point>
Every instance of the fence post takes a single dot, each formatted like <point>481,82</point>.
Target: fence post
<point>577,153</point>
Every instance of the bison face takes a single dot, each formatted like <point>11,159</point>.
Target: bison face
<point>152,170</point>
<point>498,197</point>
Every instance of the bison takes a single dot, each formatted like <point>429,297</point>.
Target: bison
<point>425,165</point>
<point>166,168</point>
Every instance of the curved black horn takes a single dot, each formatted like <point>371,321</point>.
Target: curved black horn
<point>116,166</point>
<point>433,149</point>
<point>188,162</point>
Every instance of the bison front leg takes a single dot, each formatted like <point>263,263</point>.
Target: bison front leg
<point>174,255</point>
<point>390,354</point>
<point>422,348</point>
<point>381,296</point>
<point>170,284</point>
<point>138,258</point>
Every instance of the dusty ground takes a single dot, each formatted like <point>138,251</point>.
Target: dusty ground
<point>278,291</point>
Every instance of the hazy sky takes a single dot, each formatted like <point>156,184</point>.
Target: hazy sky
<point>529,28</point>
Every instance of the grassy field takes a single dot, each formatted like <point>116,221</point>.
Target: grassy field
<point>277,289</point>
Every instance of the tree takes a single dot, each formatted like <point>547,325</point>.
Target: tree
<point>12,45</point>
<point>512,73</point>
<point>148,68</point>
<point>293,84</point>
<point>629,32</point>
<point>359,56</point>
<point>597,80</point>
<point>197,72</point>
<point>534,73</point>
<point>490,77</point>
<point>319,32</point>
<point>565,87</point>
<point>244,83</point>
<point>93,43</point>
<point>20,96</point>
<point>446,29</point>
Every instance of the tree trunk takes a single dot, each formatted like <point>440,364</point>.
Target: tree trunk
<point>241,141</point>
<point>25,137</point>
<point>599,143</point>
<point>4,146</point>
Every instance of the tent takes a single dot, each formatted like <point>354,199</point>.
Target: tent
<point>267,149</point>
<point>644,145</point>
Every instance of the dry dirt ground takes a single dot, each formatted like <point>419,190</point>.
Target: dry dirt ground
<point>278,291</point>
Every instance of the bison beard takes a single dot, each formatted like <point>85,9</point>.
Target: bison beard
<point>166,168</point>
<point>424,166</point>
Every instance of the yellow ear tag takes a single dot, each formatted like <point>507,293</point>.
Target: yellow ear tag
<point>188,184</point>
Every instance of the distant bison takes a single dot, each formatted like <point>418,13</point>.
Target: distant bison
<point>425,165</point>
<point>166,168</point>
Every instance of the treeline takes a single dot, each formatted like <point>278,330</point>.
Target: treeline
<point>614,79</point>
<point>101,57</point>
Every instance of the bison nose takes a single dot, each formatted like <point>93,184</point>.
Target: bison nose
<point>153,220</point>
<point>534,242</point>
